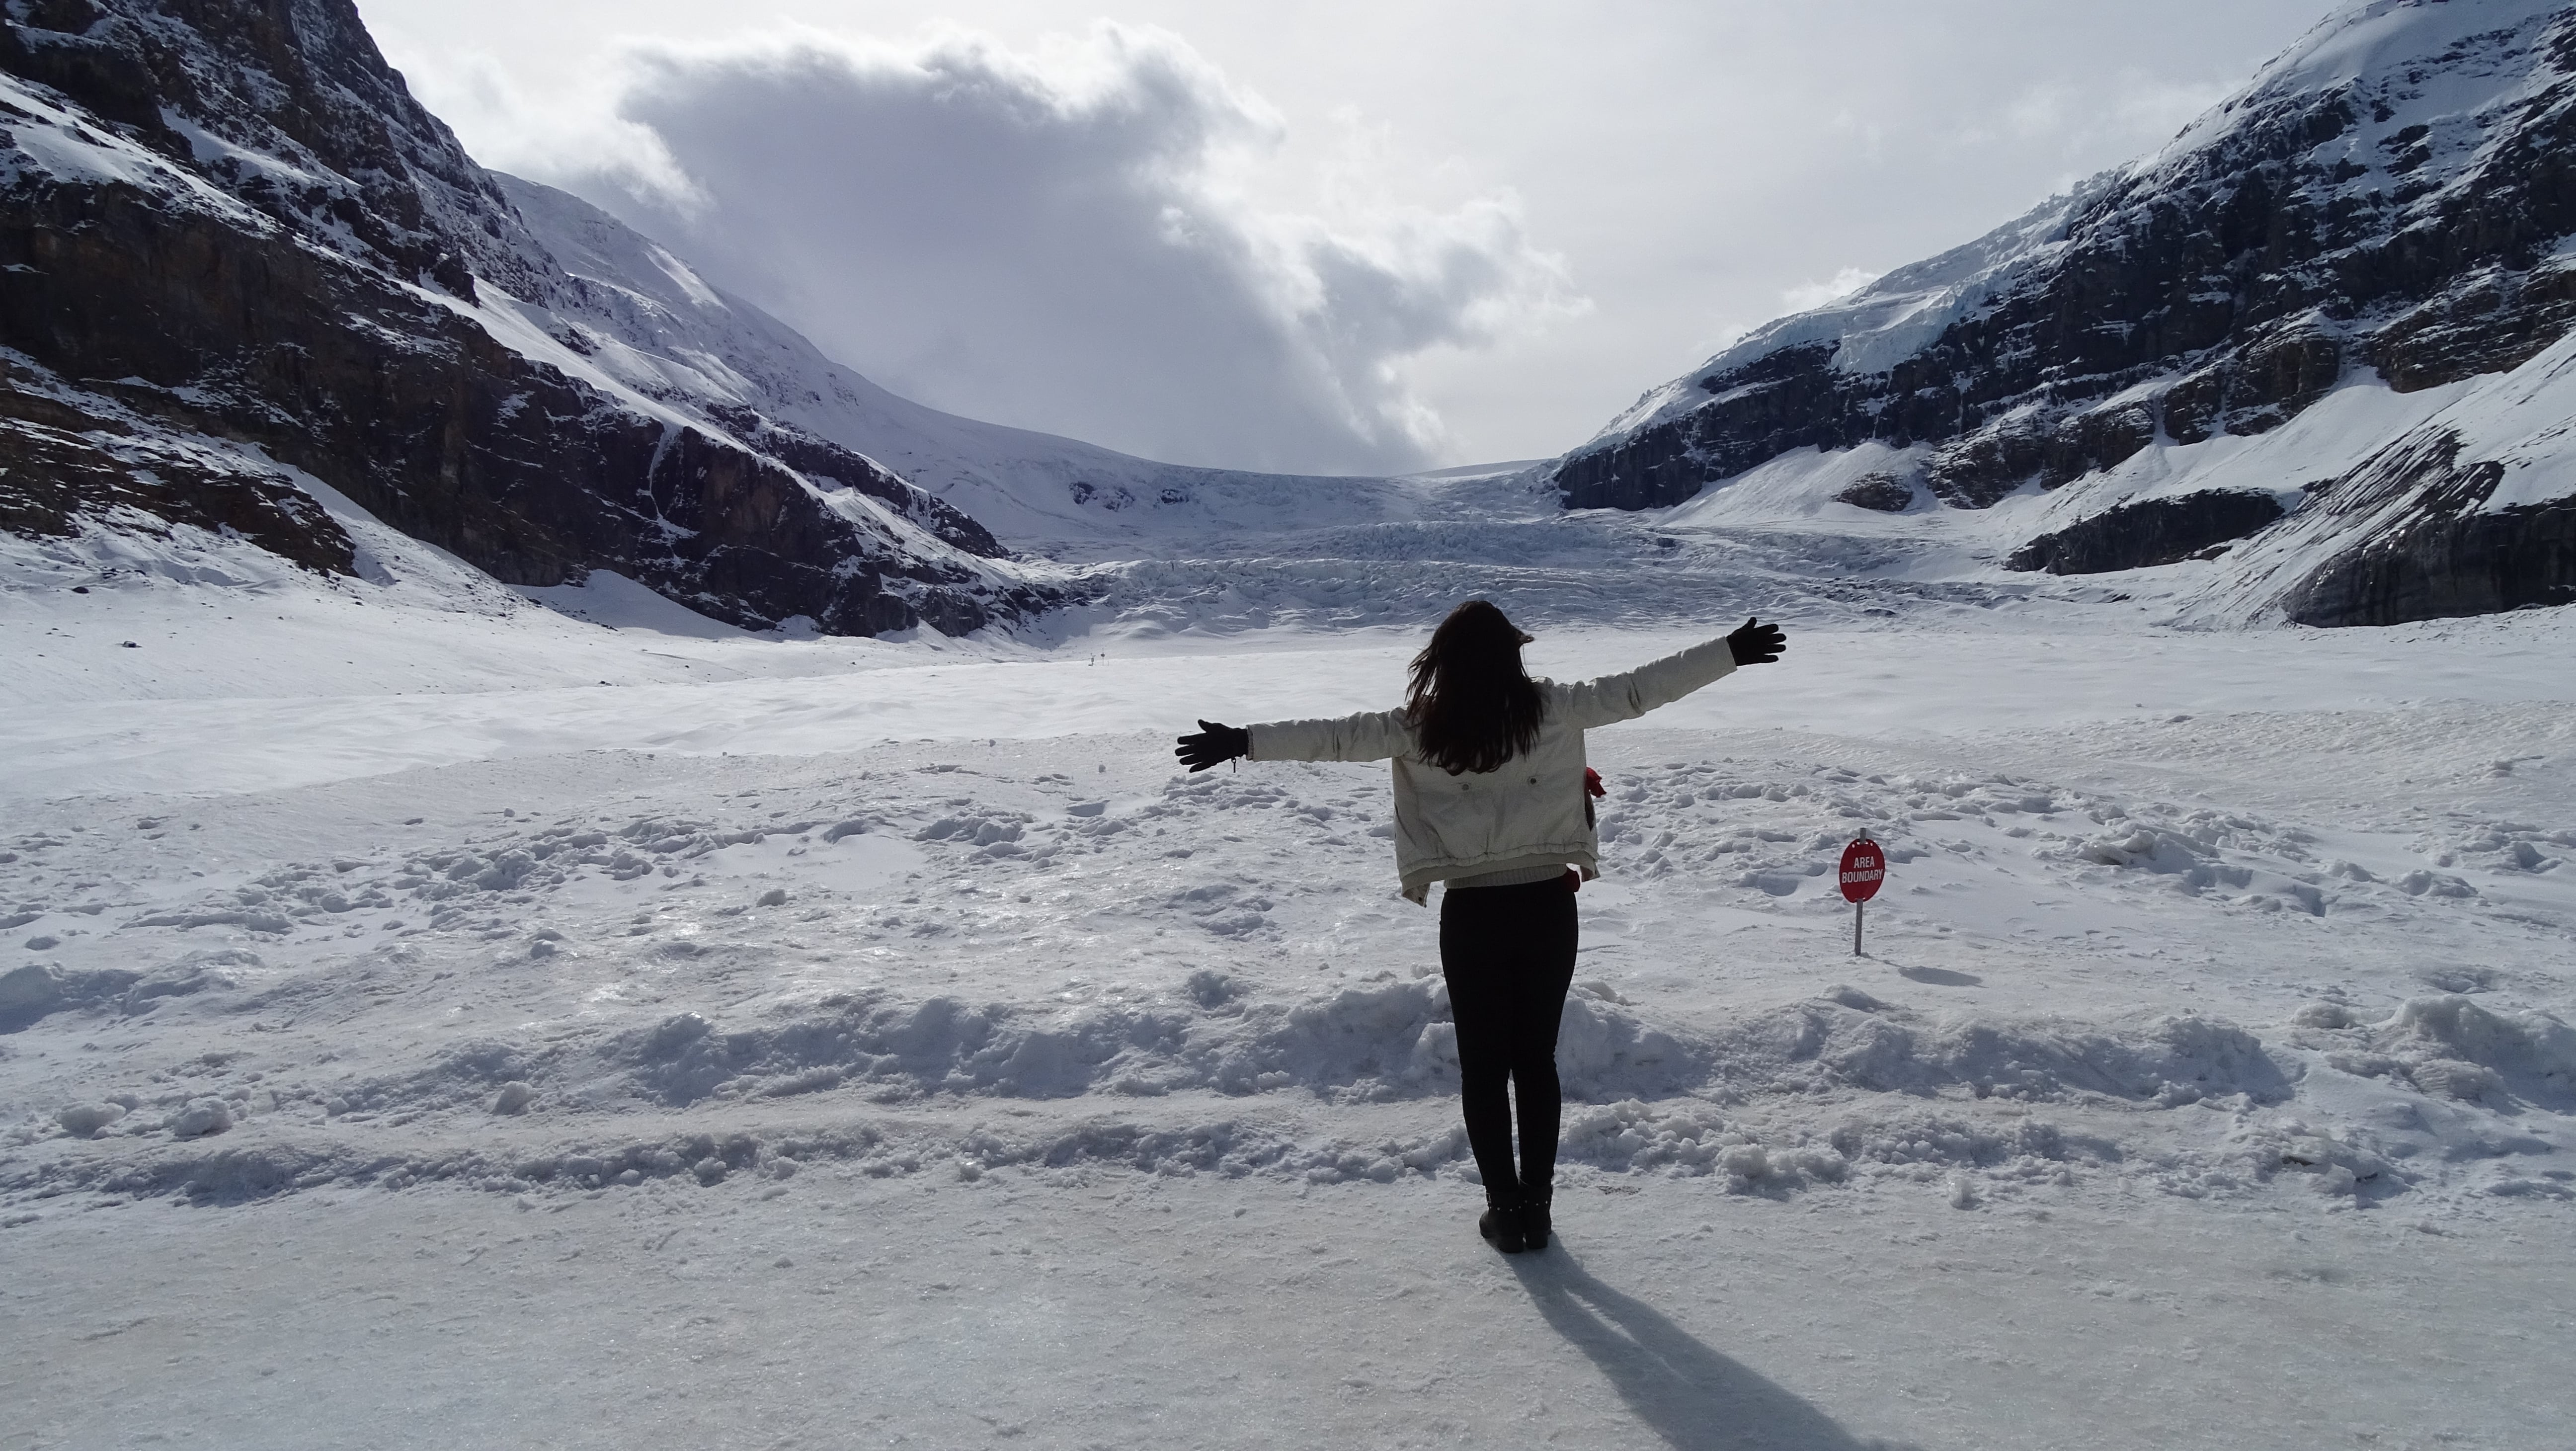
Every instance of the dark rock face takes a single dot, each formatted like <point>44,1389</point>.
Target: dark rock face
<point>52,477</point>
<point>231,294</point>
<point>1885,493</point>
<point>2157,531</point>
<point>2476,564</point>
<point>294,81</point>
<point>830,464</point>
<point>2305,229</point>
<point>2428,548</point>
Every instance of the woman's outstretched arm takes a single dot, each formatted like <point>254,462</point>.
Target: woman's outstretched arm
<point>1632,693</point>
<point>1369,736</point>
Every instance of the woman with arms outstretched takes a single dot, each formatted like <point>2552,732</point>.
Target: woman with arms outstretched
<point>1490,798</point>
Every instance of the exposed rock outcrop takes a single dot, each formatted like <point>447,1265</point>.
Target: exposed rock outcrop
<point>1882,492</point>
<point>2429,547</point>
<point>2148,533</point>
<point>228,218</point>
<point>2438,566</point>
<point>61,464</point>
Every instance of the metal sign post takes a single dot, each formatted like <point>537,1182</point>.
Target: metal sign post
<point>1864,867</point>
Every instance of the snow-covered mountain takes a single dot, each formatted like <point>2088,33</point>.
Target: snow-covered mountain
<point>243,272</point>
<point>322,314</point>
<point>253,296</point>
<point>2380,220</point>
<point>646,318</point>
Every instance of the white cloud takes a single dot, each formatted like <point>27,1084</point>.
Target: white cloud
<point>1816,294</point>
<point>1059,238</point>
<point>2128,109</point>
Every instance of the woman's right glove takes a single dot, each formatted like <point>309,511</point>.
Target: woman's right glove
<point>1754,643</point>
<point>1214,745</point>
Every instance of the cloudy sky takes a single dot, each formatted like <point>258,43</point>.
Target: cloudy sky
<point>1329,236</point>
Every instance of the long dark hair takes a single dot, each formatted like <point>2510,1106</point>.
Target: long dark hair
<point>1471,705</point>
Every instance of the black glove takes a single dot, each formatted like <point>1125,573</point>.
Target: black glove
<point>1754,644</point>
<point>1215,744</point>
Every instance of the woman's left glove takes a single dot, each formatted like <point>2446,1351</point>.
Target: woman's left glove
<point>1214,745</point>
<point>1755,643</point>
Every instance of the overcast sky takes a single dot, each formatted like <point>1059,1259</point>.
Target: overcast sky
<point>1344,237</point>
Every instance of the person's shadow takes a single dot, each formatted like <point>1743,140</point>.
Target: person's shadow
<point>1692,1396</point>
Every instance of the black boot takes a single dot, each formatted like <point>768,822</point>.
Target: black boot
<point>1534,1221</point>
<point>1501,1222</point>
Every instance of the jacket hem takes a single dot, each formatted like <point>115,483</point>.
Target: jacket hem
<point>1417,881</point>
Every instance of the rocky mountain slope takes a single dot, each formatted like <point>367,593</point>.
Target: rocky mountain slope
<point>645,318</point>
<point>238,260</point>
<point>2386,207</point>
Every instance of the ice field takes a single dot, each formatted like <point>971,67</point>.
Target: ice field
<point>442,1015</point>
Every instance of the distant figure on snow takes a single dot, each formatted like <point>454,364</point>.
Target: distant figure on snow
<point>1491,798</point>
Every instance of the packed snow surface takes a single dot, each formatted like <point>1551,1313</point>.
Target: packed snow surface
<point>441,1014</point>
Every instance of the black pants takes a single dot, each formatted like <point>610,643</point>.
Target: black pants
<point>1508,954</point>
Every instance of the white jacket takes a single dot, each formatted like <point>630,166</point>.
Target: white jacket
<point>1527,813</point>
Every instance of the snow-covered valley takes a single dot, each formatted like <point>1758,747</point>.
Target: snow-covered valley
<point>445,1012</point>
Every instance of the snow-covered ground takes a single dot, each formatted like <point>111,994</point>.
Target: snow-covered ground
<point>437,1014</point>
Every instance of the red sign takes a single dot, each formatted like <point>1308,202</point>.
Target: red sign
<point>1864,867</point>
